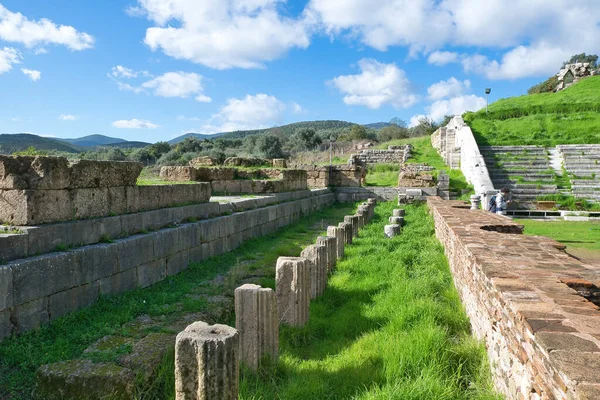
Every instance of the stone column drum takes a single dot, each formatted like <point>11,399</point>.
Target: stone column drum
<point>292,277</point>
<point>330,243</point>
<point>397,220</point>
<point>391,230</point>
<point>361,218</point>
<point>398,212</point>
<point>257,323</point>
<point>347,228</point>
<point>338,234</point>
<point>206,363</point>
<point>348,220</point>
<point>317,255</point>
<point>354,220</point>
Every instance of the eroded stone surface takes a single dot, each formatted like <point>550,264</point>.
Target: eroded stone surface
<point>293,290</point>
<point>391,230</point>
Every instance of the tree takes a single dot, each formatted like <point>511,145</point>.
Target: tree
<point>158,149</point>
<point>358,132</point>
<point>397,121</point>
<point>306,139</point>
<point>426,126</point>
<point>392,132</point>
<point>269,146</point>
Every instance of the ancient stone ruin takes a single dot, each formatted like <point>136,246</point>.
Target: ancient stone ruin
<point>573,73</point>
<point>393,155</point>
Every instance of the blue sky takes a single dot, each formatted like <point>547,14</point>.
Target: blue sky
<point>154,69</point>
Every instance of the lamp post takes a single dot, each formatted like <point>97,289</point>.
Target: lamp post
<point>487,94</point>
<point>330,159</point>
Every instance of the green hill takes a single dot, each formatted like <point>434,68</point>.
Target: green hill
<point>571,116</point>
<point>10,143</point>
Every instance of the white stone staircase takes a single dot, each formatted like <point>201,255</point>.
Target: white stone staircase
<point>582,163</point>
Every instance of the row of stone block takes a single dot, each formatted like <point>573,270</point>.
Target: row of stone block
<point>37,289</point>
<point>207,357</point>
<point>55,173</point>
<point>33,207</point>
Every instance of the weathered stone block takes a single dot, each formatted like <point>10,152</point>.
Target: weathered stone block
<point>207,363</point>
<point>166,242</point>
<point>257,322</point>
<point>6,326</point>
<point>32,207</point>
<point>78,379</point>
<point>6,287</point>
<point>62,303</point>
<point>117,200</point>
<point>293,290</point>
<point>347,228</point>
<point>398,213</point>
<point>152,272</point>
<point>12,247</point>
<point>94,262</point>
<point>37,277</point>
<point>94,174</point>
<point>338,234</point>
<point>147,355</point>
<point>25,172</point>
<point>31,315</point>
<point>396,220</point>
<point>134,250</point>
<point>178,262</point>
<point>178,174</point>
<point>118,283</point>
<point>92,202</point>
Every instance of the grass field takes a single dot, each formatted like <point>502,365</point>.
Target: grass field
<point>389,326</point>
<point>382,175</point>
<point>571,116</point>
<point>585,235</point>
<point>66,338</point>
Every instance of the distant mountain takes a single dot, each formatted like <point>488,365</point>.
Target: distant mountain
<point>9,143</point>
<point>128,145</point>
<point>288,129</point>
<point>94,140</point>
<point>377,125</point>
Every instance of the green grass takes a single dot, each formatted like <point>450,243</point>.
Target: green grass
<point>571,116</point>
<point>389,326</point>
<point>382,175</point>
<point>66,338</point>
<point>148,177</point>
<point>585,235</point>
<point>566,202</point>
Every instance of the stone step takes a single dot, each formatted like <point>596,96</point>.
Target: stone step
<point>545,178</point>
<point>525,163</point>
<point>521,171</point>
<point>509,148</point>
<point>585,182</point>
<point>532,191</point>
<point>512,186</point>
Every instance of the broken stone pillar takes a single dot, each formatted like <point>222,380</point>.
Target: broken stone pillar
<point>353,221</point>
<point>330,243</point>
<point>391,230</point>
<point>361,218</point>
<point>257,323</point>
<point>475,202</point>
<point>347,232</point>
<point>398,213</point>
<point>317,255</point>
<point>206,362</point>
<point>397,220</point>
<point>338,234</point>
<point>292,278</point>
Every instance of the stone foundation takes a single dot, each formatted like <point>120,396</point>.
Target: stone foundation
<point>542,336</point>
<point>338,175</point>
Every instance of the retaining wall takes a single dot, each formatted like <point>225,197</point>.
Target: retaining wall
<point>40,190</point>
<point>348,194</point>
<point>393,155</point>
<point>337,175</point>
<point>38,289</point>
<point>456,144</point>
<point>523,296</point>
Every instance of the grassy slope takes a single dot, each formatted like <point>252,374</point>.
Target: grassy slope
<point>389,326</point>
<point>584,235</point>
<point>423,152</point>
<point>571,116</point>
<point>66,338</point>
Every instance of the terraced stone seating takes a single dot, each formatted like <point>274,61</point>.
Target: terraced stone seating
<point>526,170</point>
<point>582,163</point>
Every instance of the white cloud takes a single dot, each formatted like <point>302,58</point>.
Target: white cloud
<point>222,34</point>
<point>184,118</point>
<point>376,85</point>
<point>533,36</point>
<point>454,106</point>
<point>297,108</point>
<point>170,84</point>
<point>416,120</point>
<point>251,112</point>
<point>441,58</point>
<point>67,117</point>
<point>15,27</point>
<point>134,124</point>
<point>8,57</point>
<point>32,74</point>
<point>450,88</point>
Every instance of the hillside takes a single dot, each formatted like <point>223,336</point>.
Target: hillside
<point>94,140</point>
<point>571,116</point>
<point>288,129</point>
<point>9,143</point>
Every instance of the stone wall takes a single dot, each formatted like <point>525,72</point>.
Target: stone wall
<point>338,175</point>
<point>457,146</point>
<point>393,155</point>
<point>234,181</point>
<point>522,296</point>
<point>37,289</point>
<point>349,194</point>
<point>39,190</point>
